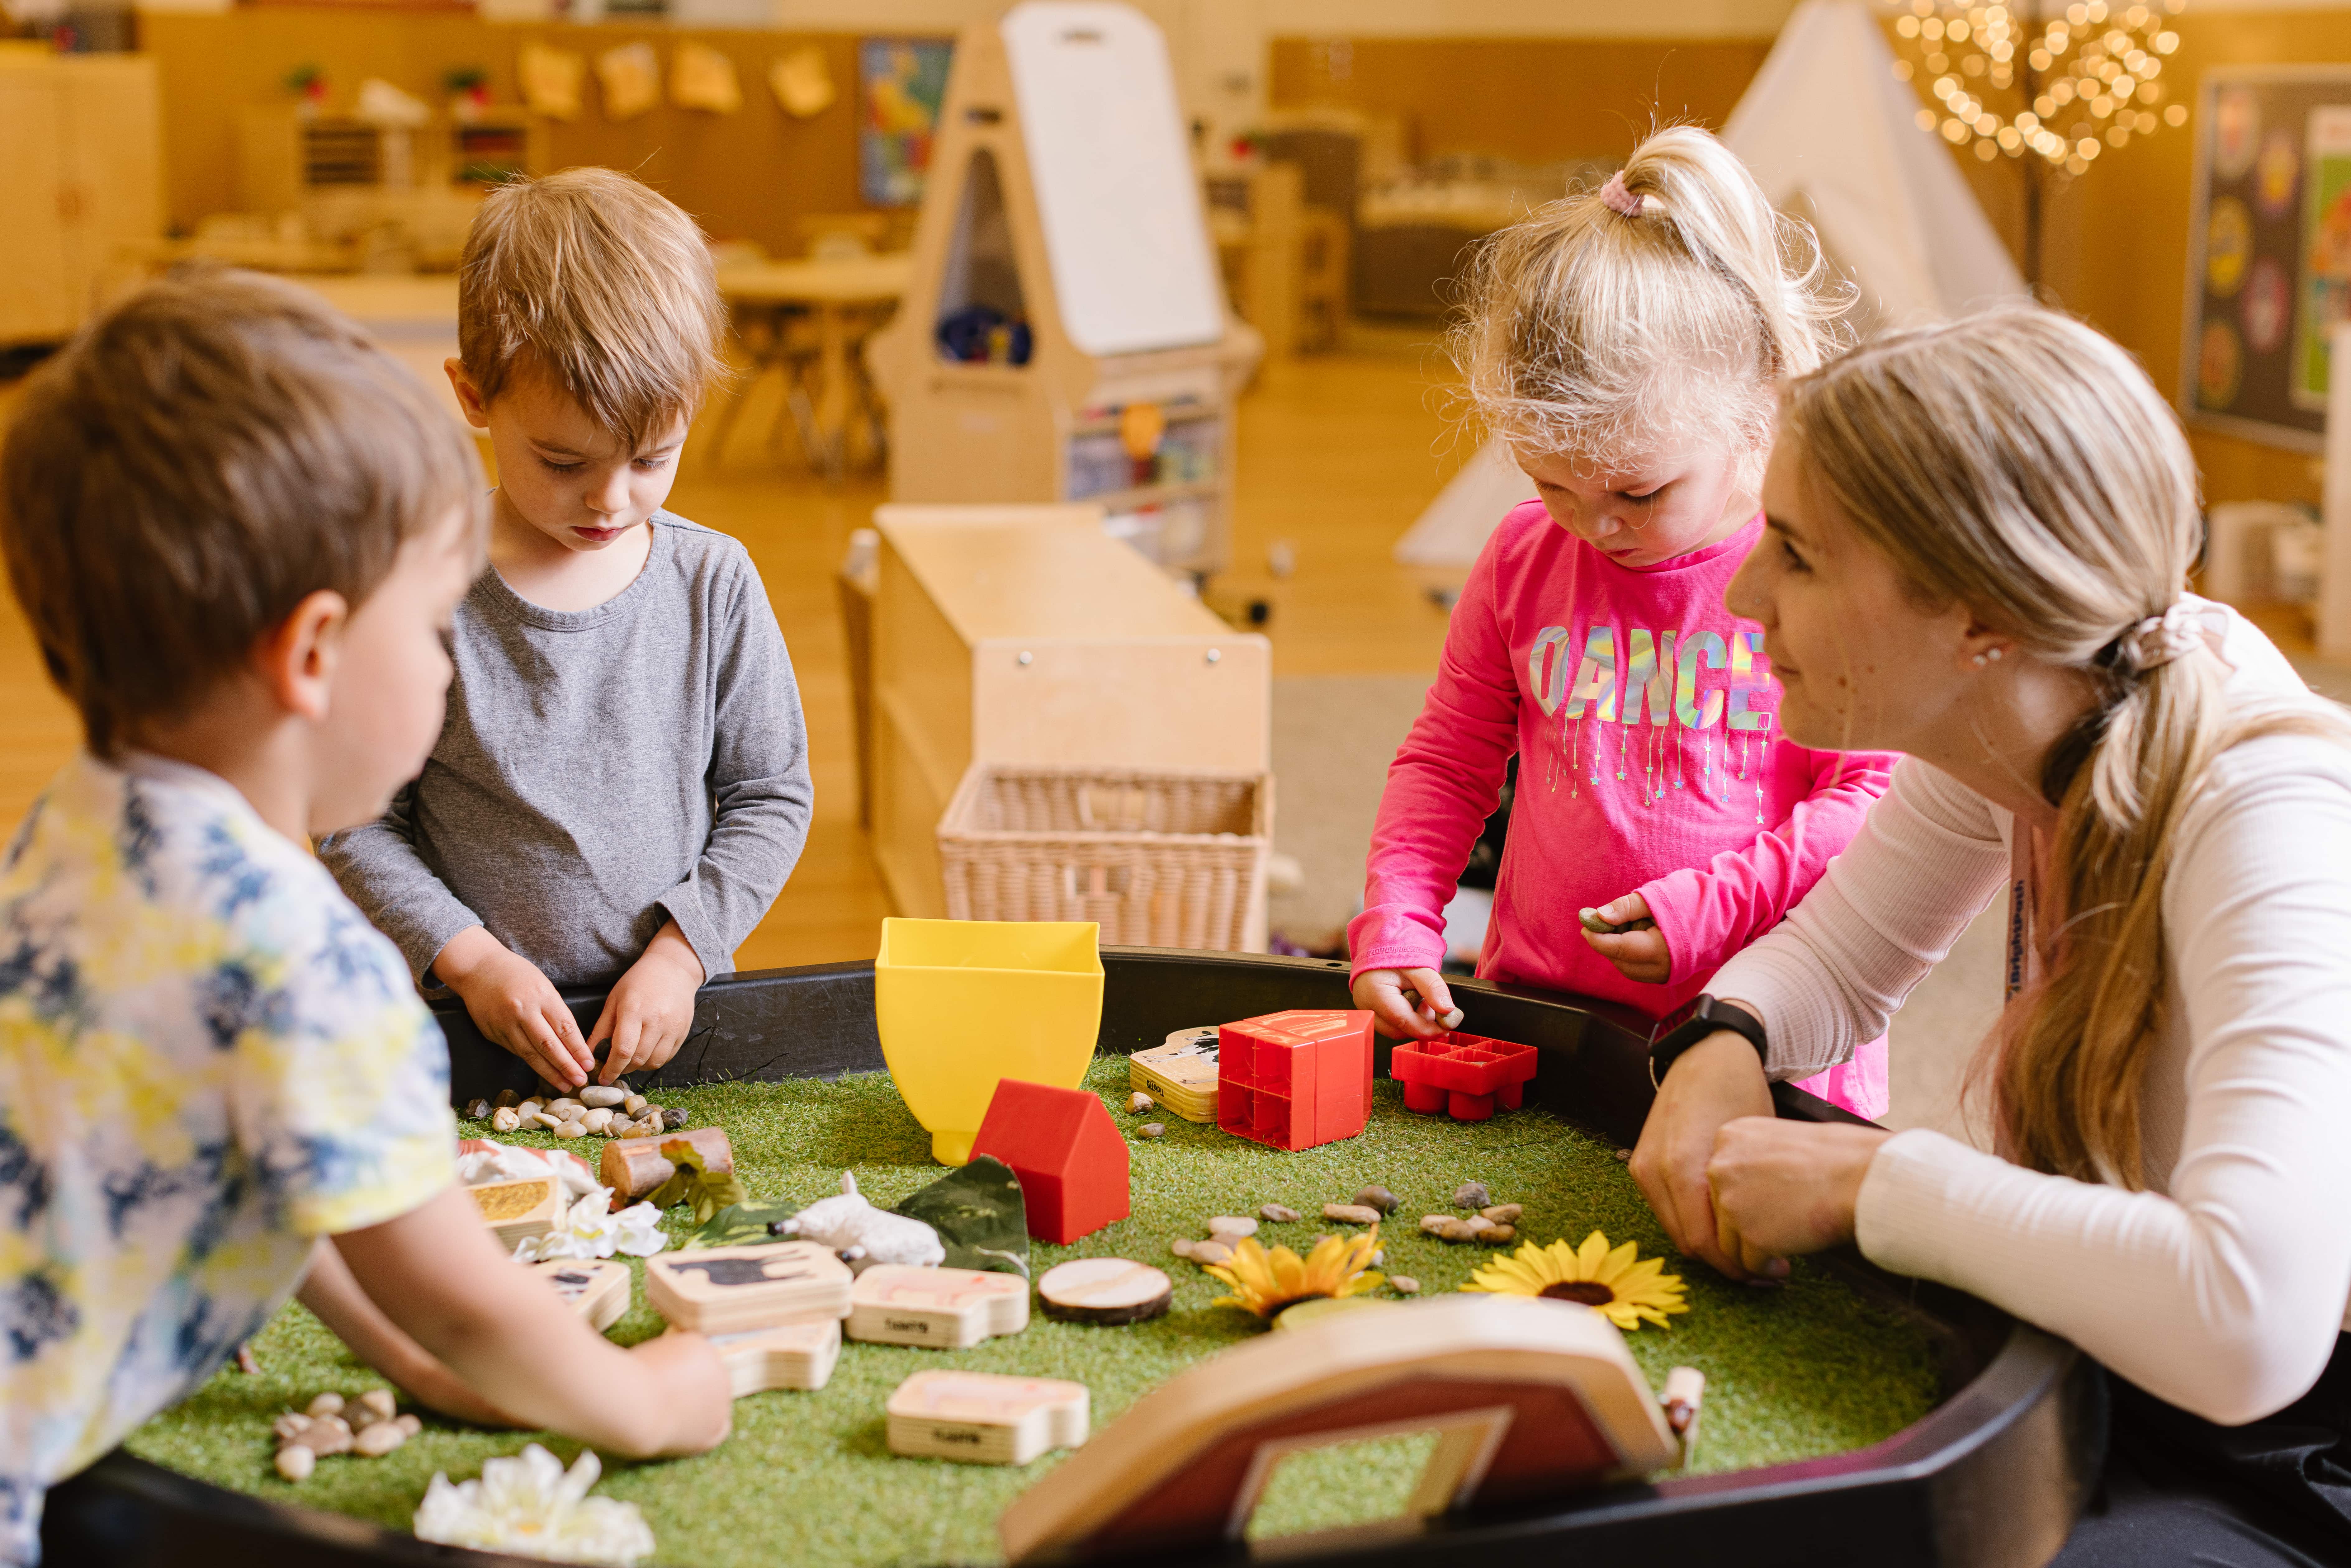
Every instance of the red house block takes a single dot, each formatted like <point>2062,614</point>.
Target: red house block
<point>1294,1079</point>
<point>1465,1074</point>
<point>1067,1151</point>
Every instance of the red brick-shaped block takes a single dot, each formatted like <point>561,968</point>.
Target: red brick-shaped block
<point>1297,1078</point>
<point>1466,1075</point>
<point>1067,1151</point>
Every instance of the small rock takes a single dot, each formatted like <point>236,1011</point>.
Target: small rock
<point>1430,1224</point>
<point>547,1119</point>
<point>597,1120</point>
<point>1151,1129</point>
<point>603,1096</point>
<point>296,1462</point>
<point>503,1120</point>
<point>634,1104</point>
<point>1205,1252</point>
<point>1452,1020</point>
<point>1377,1197</point>
<point>1138,1102</point>
<point>326,1404</point>
<point>529,1108</point>
<point>1182,1246</point>
<point>378,1439</point>
<point>477,1110</point>
<point>1472,1195</point>
<point>289,1426</point>
<point>409,1422</point>
<point>1351,1212</point>
<point>1623,1156</point>
<point>507,1097</point>
<point>1405,1284</point>
<point>1501,1235</point>
<point>1230,1228</point>
<point>1503,1213</point>
<point>566,1109</point>
<point>1281,1213</point>
<point>1378,1258</point>
<point>381,1402</point>
<point>571,1130</point>
<point>327,1436</point>
<point>672,1119</point>
<point>1477,1224</point>
<point>1456,1231</point>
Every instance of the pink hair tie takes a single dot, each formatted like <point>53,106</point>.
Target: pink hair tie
<point>1624,203</point>
<point>2187,627</point>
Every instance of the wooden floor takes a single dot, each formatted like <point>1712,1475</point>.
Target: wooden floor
<point>1339,453</point>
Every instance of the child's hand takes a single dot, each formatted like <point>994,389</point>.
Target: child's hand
<point>1405,1004</point>
<point>694,1388</point>
<point>512,1003</point>
<point>651,1010</point>
<point>1622,932</point>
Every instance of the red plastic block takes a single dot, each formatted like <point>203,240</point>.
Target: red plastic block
<point>1465,1074</point>
<point>1067,1151</point>
<point>1294,1079</point>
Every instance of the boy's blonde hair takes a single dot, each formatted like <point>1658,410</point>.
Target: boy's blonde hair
<point>598,283</point>
<point>1653,314</point>
<point>202,457</point>
<point>2020,464</point>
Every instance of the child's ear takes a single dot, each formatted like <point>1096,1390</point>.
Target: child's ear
<point>296,658</point>
<point>469,396</point>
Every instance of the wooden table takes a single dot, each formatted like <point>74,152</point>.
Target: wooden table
<point>839,301</point>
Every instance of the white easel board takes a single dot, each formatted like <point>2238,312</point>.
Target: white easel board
<point>1132,268</point>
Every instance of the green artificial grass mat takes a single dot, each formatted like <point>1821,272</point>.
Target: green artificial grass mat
<point>1808,1369</point>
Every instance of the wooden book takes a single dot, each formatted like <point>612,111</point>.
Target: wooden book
<point>518,1210</point>
<point>981,1418</point>
<point>893,1303</point>
<point>788,1355</point>
<point>733,1290</point>
<point>597,1288</point>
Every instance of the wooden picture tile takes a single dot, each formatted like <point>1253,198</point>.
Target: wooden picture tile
<point>789,1355</point>
<point>732,1289</point>
<point>597,1288</point>
<point>950,1308</point>
<point>981,1418</point>
<point>516,1211</point>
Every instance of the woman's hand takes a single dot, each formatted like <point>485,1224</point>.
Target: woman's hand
<point>1395,999</point>
<point>1714,1081</point>
<point>1783,1188</point>
<point>1636,946</point>
<point>515,1005</point>
<point>650,1008</point>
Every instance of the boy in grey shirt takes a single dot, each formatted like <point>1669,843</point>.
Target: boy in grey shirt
<point>622,785</point>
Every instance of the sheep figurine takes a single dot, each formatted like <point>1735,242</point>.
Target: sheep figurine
<point>863,1233</point>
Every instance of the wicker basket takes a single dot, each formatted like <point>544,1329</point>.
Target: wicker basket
<point>1161,859</point>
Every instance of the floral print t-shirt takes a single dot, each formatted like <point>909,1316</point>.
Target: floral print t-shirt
<point>207,1058</point>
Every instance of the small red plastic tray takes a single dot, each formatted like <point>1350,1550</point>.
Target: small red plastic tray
<point>1466,1075</point>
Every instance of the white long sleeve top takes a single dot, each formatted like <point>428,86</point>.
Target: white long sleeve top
<point>2221,1287</point>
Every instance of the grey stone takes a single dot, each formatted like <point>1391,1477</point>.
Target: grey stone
<point>1472,1195</point>
<point>672,1119</point>
<point>1377,1197</point>
<point>1281,1213</point>
<point>603,1097</point>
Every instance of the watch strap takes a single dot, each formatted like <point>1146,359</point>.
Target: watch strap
<point>1702,1019</point>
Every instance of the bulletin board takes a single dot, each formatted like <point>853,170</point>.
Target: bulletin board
<point>2269,267</point>
<point>901,83</point>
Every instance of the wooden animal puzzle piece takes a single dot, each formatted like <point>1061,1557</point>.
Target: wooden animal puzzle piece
<point>1107,1291</point>
<point>731,1290</point>
<point>787,1355</point>
<point>597,1289</point>
<point>981,1418</point>
<point>516,1210</point>
<point>892,1303</point>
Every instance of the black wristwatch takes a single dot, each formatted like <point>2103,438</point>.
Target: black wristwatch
<point>1702,1018</point>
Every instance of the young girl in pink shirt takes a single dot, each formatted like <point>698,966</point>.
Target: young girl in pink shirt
<point>1627,342</point>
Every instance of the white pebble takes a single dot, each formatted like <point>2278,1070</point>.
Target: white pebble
<point>505,1119</point>
<point>291,1426</point>
<point>1139,1102</point>
<point>330,1404</point>
<point>1182,1246</point>
<point>1205,1252</point>
<point>546,1119</point>
<point>1227,1228</point>
<point>634,1104</point>
<point>571,1130</point>
<point>296,1462</point>
<point>409,1422</point>
<point>531,1108</point>
<point>597,1120</point>
<point>1405,1284</point>
<point>603,1096</point>
<point>1351,1212</point>
<point>1280,1213</point>
<point>379,1402</point>
<point>567,1109</point>
<point>378,1439</point>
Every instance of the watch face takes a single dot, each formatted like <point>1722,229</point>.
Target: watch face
<point>1678,1017</point>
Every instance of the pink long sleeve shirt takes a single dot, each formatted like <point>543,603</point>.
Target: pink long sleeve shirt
<point>1644,718</point>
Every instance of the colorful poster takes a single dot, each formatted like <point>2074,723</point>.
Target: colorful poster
<point>2271,238</point>
<point>901,84</point>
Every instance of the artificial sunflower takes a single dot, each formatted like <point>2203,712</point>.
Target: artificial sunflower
<point>1266,1282</point>
<point>1617,1282</point>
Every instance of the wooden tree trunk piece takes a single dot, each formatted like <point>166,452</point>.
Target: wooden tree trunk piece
<point>634,1167</point>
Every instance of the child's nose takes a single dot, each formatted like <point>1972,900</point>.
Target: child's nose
<point>613,495</point>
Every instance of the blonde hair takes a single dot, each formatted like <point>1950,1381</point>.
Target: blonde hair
<point>2018,463</point>
<point>604,285</point>
<point>1609,335</point>
<point>202,456</point>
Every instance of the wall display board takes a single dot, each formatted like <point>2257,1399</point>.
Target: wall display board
<point>2270,253</point>
<point>900,82</point>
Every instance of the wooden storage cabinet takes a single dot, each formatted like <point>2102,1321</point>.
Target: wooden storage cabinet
<point>81,178</point>
<point>1027,634</point>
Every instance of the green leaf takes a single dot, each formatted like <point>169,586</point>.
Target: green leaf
<point>743,1224</point>
<point>979,1215</point>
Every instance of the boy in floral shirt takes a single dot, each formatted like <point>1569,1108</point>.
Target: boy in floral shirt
<point>237,529</point>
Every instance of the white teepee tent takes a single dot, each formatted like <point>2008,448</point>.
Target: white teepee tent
<point>1831,134</point>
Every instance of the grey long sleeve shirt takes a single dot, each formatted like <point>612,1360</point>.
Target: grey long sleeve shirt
<point>601,772</point>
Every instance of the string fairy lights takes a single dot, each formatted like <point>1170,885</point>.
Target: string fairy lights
<point>2063,86</point>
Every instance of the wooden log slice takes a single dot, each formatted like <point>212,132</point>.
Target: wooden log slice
<point>632,1167</point>
<point>1107,1291</point>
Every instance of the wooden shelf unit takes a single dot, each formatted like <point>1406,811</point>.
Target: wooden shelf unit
<point>82,181</point>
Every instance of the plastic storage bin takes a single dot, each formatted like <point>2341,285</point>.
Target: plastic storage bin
<point>1157,860</point>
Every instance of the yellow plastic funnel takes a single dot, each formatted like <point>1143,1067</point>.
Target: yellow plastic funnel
<point>960,1004</point>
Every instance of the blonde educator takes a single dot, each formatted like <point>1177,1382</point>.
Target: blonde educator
<point>1979,536</point>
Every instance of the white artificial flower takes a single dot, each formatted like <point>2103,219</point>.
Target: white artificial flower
<point>531,1506</point>
<point>588,1230</point>
<point>636,1231</point>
